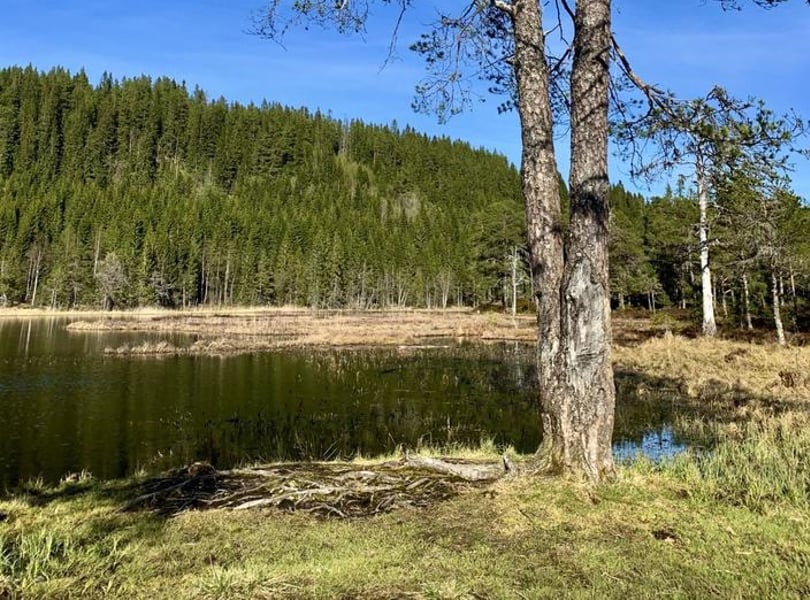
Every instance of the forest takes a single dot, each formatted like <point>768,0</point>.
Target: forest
<point>142,192</point>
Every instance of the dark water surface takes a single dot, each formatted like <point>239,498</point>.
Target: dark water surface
<point>65,406</point>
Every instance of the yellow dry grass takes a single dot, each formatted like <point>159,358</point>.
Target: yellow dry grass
<point>698,364</point>
<point>237,331</point>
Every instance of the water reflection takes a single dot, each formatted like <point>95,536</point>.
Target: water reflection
<point>65,406</point>
<point>655,445</point>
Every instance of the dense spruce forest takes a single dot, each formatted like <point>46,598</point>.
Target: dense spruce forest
<point>143,192</point>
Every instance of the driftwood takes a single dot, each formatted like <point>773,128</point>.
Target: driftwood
<point>340,490</point>
<point>466,470</point>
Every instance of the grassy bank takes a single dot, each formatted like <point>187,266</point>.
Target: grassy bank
<point>258,330</point>
<point>679,530</point>
<point>729,523</point>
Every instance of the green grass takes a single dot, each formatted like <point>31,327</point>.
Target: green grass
<point>730,524</point>
<point>759,464</point>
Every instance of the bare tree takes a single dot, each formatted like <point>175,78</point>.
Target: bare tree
<point>111,279</point>
<point>759,208</point>
<point>713,136</point>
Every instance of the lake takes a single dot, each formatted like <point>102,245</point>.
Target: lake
<point>65,406</point>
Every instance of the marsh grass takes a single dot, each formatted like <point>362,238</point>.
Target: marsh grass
<point>256,330</point>
<point>749,417</point>
<point>760,464</point>
<point>723,370</point>
<point>269,329</point>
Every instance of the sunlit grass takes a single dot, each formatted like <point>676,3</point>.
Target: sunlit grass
<point>732,523</point>
<point>250,331</point>
<point>640,537</point>
<point>486,449</point>
<point>721,369</point>
<point>759,464</point>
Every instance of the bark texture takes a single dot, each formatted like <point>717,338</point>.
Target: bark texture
<point>586,425</point>
<point>541,189</point>
<point>577,394</point>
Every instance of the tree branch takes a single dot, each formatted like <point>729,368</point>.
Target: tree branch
<point>653,94</point>
<point>503,6</point>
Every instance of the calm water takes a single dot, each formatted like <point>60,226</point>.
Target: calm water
<point>65,406</point>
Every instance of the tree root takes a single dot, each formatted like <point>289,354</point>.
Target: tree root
<point>340,490</point>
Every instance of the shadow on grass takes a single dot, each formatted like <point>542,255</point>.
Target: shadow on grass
<point>698,418</point>
<point>194,481</point>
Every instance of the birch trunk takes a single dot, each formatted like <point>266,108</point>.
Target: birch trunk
<point>747,302</point>
<point>709,323</point>
<point>96,255</point>
<point>514,260</point>
<point>777,311</point>
<point>36,281</point>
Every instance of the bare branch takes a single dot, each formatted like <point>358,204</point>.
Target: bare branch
<point>392,43</point>
<point>654,95</point>
<point>568,9</point>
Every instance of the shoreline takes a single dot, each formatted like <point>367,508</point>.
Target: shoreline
<point>733,520</point>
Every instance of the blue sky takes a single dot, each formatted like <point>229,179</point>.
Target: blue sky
<point>687,46</point>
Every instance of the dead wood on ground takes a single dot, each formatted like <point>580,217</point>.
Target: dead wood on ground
<point>342,490</point>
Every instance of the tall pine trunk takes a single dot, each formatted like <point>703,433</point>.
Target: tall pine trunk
<point>541,193</point>
<point>573,297</point>
<point>587,339</point>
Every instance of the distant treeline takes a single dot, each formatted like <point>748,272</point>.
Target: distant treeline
<point>143,192</point>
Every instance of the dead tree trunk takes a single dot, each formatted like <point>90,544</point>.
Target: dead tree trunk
<point>35,286</point>
<point>747,302</point>
<point>513,258</point>
<point>709,323</point>
<point>777,310</point>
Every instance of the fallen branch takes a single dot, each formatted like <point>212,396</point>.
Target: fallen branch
<point>326,489</point>
<point>467,471</point>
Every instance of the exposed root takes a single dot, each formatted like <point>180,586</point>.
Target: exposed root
<point>340,490</point>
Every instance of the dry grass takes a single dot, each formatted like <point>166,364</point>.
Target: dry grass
<point>250,329</point>
<point>700,366</point>
<point>278,328</point>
